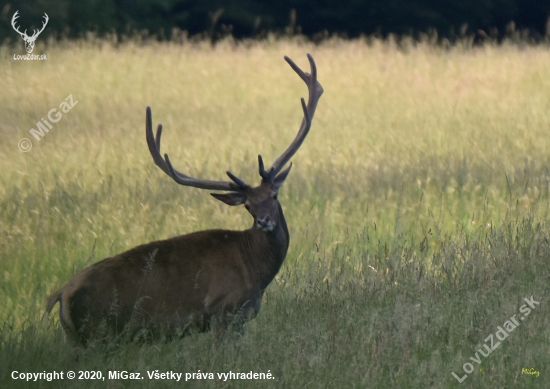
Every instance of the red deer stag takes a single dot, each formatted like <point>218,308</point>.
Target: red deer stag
<point>203,280</point>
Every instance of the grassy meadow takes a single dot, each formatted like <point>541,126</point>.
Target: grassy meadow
<point>418,205</point>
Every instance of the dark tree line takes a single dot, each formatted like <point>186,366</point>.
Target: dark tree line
<point>255,18</point>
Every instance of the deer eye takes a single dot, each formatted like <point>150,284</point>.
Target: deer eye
<point>275,196</point>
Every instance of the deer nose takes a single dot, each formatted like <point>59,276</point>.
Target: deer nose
<point>265,223</point>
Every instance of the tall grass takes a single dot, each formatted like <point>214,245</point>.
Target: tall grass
<point>417,206</point>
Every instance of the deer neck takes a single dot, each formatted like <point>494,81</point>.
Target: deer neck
<point>268,249</point>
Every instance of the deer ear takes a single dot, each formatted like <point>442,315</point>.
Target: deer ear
<point>231,198</point>
<point>280,179</point>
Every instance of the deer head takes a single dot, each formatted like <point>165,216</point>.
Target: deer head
<point>29,40</point>
<point>261,201</point>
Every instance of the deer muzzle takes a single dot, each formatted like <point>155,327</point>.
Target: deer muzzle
<point>265,224</point>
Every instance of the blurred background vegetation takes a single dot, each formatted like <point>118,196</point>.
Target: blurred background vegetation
<point>255,19</point>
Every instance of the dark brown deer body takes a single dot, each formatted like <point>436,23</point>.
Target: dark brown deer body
<point>200,280</point>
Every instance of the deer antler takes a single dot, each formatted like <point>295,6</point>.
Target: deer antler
<point>15,16</point>
<point>315,91</point>
<point>43,26</point>
<point>24,34</point>
<point>164,163</point>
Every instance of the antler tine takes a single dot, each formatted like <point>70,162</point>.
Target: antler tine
<point>263,173</point>
<point>315,91</point>
<point>237,180</point>
<point>166,166</point>
<point>154,145</point>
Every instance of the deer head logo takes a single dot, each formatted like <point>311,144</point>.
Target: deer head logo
<point>29,40</point>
